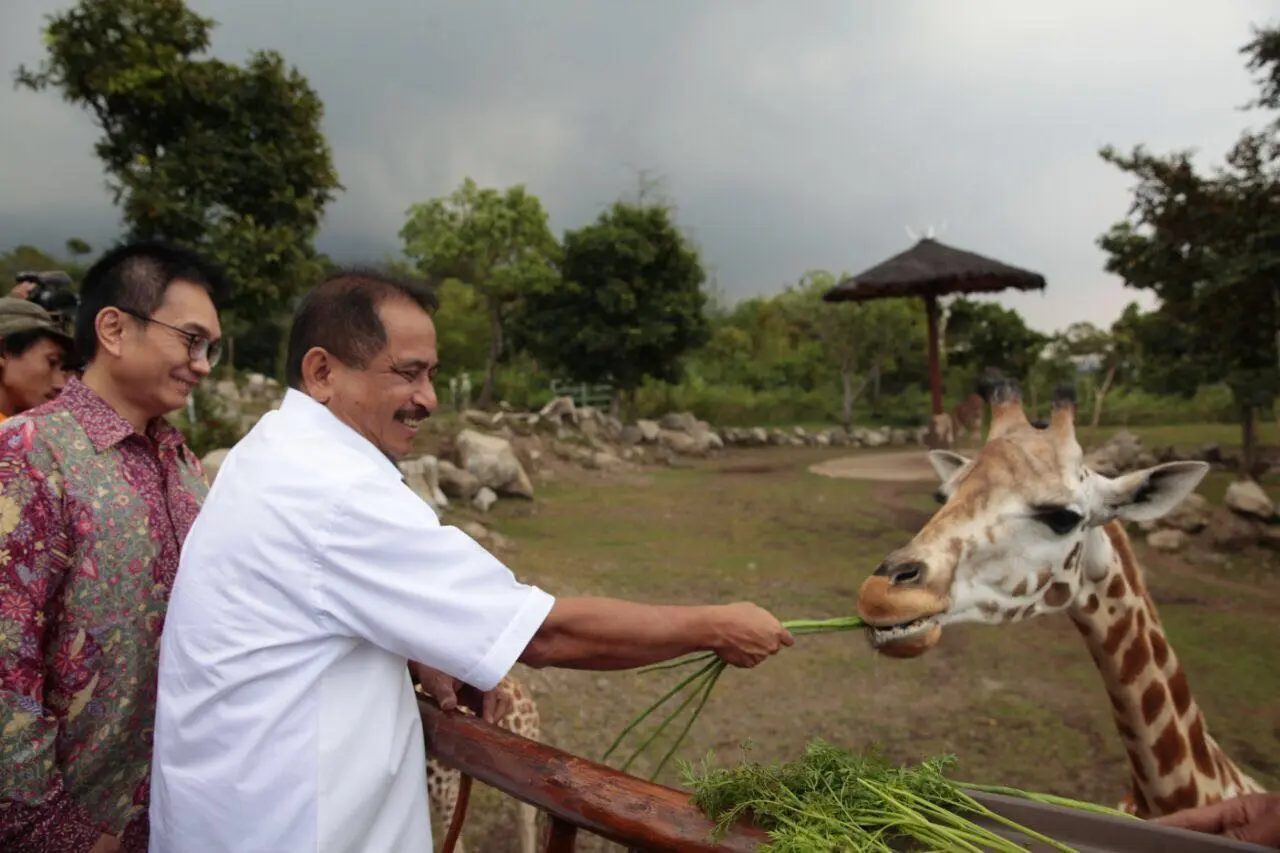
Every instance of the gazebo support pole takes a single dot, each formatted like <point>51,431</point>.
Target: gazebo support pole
<point>935,369</point>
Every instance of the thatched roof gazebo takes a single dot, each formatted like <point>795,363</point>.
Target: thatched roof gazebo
<point>929,270</point>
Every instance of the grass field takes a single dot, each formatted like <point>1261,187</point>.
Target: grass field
<point>1019,705</point>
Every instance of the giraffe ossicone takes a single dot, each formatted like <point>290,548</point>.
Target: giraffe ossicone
<point>1027,529</point>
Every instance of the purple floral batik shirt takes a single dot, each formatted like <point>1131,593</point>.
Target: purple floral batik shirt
<point>92,519</point>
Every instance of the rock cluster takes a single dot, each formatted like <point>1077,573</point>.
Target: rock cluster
<point>1247,518</point>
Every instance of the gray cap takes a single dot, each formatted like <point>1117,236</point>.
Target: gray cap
<point>21,315</point>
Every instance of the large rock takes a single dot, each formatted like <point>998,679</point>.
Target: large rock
<point>422,476</point>
<point>455,482</point>
<point>648,431</point>
<point>1247,498</point>
<point>1229,531</point>
<point>1121,453</point>
<point>484,499</point>
<point>493,462</point>
<point>1168,540</point>
<point>1190,516</point>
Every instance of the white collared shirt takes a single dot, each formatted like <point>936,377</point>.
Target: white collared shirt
<point>286,720</point>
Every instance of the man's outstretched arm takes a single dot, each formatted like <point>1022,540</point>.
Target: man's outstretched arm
<point>609,633</point>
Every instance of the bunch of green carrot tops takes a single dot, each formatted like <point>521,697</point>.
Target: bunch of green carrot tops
<point>829,799</point>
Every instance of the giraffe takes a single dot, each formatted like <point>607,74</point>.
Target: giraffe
<point>443,782</point>
<point>1026,529</point>
<point>964,418</point>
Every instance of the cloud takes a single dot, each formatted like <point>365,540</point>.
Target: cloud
<point>790,136</point>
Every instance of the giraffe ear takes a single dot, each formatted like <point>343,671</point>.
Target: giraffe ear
<point>1150,493</point>
<point>946,464</point>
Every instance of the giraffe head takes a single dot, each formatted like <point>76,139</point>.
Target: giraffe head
<point>1013,536</point>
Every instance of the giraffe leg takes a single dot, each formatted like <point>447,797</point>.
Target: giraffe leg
<point>528,819</point>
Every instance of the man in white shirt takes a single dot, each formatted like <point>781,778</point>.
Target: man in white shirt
<point>286,720</point>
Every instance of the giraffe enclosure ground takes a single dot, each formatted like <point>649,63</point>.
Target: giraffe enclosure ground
<point>1019,705</point>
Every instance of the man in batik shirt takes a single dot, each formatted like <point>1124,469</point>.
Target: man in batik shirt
<point>97,493</point>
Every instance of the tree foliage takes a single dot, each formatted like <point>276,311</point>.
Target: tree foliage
<point>984,334</point>
<point>497,242</point>
<point>1208,246</point>
<point>862,339</point>
<point>629,303</point>
<point>226,158</point>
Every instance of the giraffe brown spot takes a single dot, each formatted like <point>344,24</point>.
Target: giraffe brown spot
<point>1140,805</point>
<point>1021,589</point>
<point>1183,798</point>
<point>1081,625</point>
<point>1058,594</point>
<point>1115,589</point>
<point>1170,749</point>
<point>1159,648</point>
<point>989,608</point>
<point>1116,633</point>
<point>1130,566</point>
<point>1135,764</point>
<point>1153,699</point>
<point>1011,614</point>
<point>1043,577</point>
<point>1116,702</point>
<point>991,536</point>
<point>1200,747</point>
<point>1072,558</point>
<point>1180,691</point>
<point>955,546</point>
<point>1125,731</point>
<point>1028,611</point>
<point>1135,659</point>
<point>1091,604</point>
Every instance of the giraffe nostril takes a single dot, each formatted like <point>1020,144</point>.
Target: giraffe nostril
<point>901,573</point>
<point>903,576</point>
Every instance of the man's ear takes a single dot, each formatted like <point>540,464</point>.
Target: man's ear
<point>1150,493</point>
<point>109,325</point>
<point>317,374</point>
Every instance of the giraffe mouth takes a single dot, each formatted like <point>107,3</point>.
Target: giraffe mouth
<point>903,631</point>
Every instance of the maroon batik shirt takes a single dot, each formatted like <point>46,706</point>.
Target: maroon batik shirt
<point>92,519</point>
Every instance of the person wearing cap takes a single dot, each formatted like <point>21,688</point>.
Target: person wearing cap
<point>34,352</point>
<point>97,493</point>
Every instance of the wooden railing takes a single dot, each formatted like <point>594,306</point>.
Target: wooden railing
<point>576,794</point>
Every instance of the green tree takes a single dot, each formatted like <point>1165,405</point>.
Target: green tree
<point>630,303</point>
<point>860,338</point>
<point>226,158</point>
<point>983,334</point>
<point>1208,246</point>
<point>496,242</point>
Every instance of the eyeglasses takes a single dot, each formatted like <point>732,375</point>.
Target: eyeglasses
<point>198,346</point>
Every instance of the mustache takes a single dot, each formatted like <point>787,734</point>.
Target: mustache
<point>416,413</point>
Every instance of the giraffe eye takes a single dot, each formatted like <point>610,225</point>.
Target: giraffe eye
<point>1059,519</point>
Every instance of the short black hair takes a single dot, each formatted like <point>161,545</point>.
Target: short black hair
<point>134,277</point>
<point>340,315</point>
<point>17,343</point>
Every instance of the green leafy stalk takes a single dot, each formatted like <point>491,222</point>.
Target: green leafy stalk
<point>703,680</point>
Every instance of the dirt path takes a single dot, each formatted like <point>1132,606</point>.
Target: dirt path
<point>899,467</point>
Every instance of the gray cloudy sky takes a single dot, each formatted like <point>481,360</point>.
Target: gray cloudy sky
<point>791,135</point>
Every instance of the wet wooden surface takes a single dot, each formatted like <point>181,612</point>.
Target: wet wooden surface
<point>573,790</point>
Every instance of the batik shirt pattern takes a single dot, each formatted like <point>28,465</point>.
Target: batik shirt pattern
<point>92,519</point>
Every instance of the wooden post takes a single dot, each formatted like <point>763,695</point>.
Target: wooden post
<point>935,368</point>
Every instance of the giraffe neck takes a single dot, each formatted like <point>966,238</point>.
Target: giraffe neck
<point>1174,762</point>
